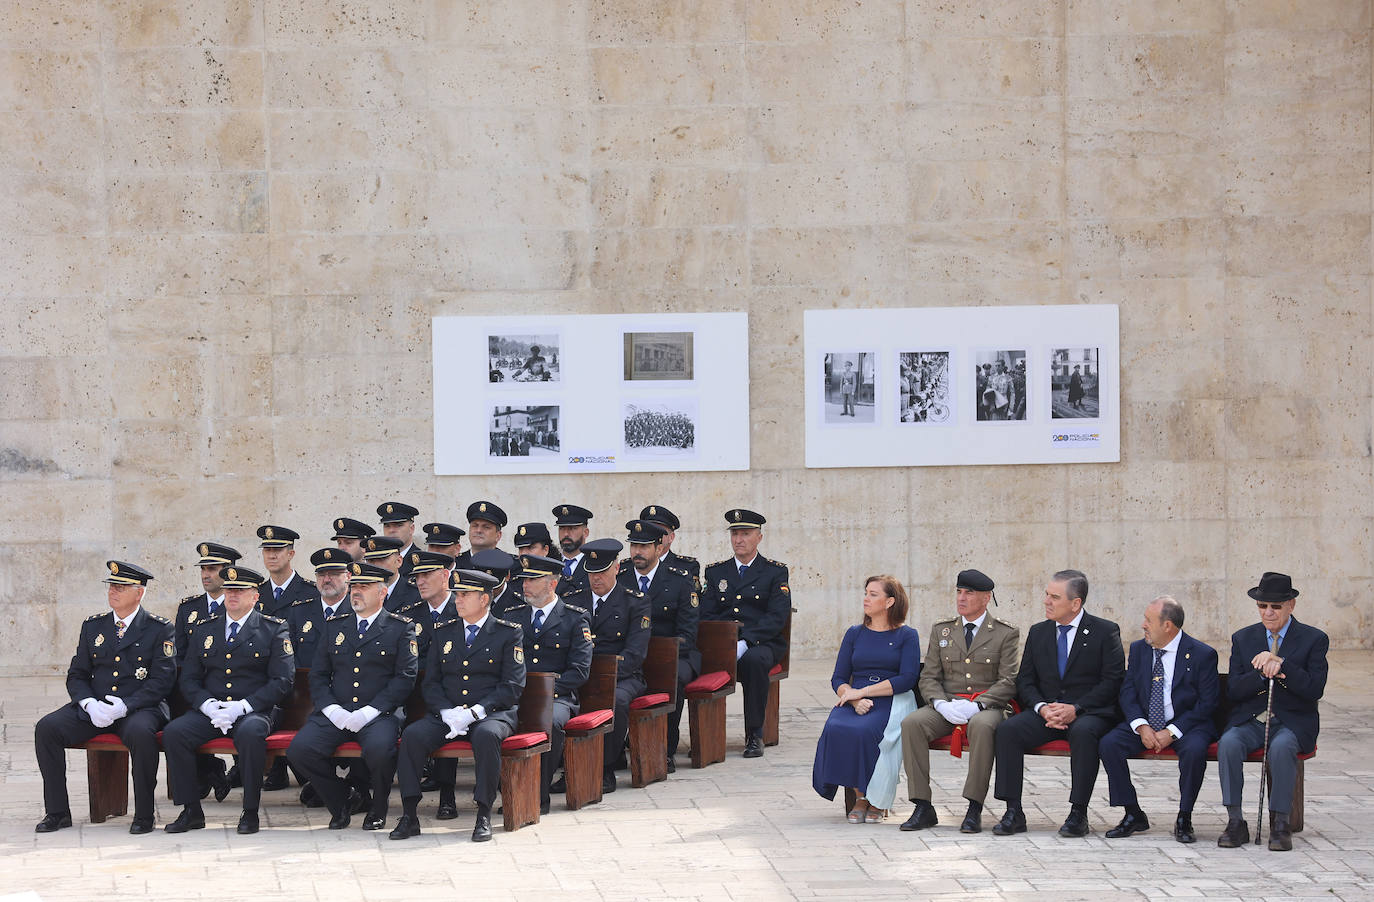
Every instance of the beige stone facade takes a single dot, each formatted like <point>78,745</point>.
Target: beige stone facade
<point>227,223</point>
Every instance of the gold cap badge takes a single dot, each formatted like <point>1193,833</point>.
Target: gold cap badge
<point>482,507</point>
<point>338,524</point>
<point>390,509</point>
<point>267,532</point>
<point>233,574</point>
<point>114,568</point>
<point>204,550</point>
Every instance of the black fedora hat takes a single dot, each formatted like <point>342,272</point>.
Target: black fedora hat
<point>1274,587</point>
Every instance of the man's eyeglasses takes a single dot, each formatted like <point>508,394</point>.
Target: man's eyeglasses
<point>1271,605</point>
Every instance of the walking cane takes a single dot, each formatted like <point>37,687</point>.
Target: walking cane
<point>1264,763</point>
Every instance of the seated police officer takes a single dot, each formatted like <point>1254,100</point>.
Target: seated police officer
<point>494,562</point>
<point>444,538</point>
<point>362,674</point>
<point>558,640</point>
<point>474,675</point>
<point>194,609</point>
<point>432,574</point>
<point>620,626</point>
<point>238,669</point>
<point>750,589</point>
<point>401,595</point>
<point>119,679</point>
<point>673,606</point>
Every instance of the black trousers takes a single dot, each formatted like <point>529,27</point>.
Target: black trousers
<point>626,691</point>
<point>685,675</point>
<point>563,711</point>
<point>752,672</point>
<point>428,733</point>
<point>69,726</point>
<point>312,753</point>
<point>193,729</point>
<point>1122,741</point>
<point>1022,732</point>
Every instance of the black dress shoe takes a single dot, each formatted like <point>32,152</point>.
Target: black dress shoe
<point>481,831</point>
<point>1183,829</point>
<point>51,823</point>
<point>248,823</point>
<point>1280,833</point>
<point>922,817</point>
<point>141,825</point>
<point>1131,823</point>
<point>607,781</point>
<point>1236,834</point>
<point>219,781</point>
<point>1014,821</point>
<point>1076,824</point>
<point>341,820</point>
<point>753,747</point>
<point>277,778</point>
<point>406,827</point>
<point>447,811</point>
<point>543,807</point>
<point>310,798</point>
<point>973,819</point>
<point>234,777</point>
<point>560,785</point>
<point>672,768</point>
<point>373,822</point>
<point>358,802</point>
<point>186,821</point>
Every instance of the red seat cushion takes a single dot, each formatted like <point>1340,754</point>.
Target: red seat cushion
<point>777,669</point>
<point>589,721</point>
<point>650,700</point>
<point>218,744</point>
<point>1058,745</point>
<point>279,741</point>
<point>109,739</point>
<point>348,747</point>
<point>708,682</point>
<point>518,741</point>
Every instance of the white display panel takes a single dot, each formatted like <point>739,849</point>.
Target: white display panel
<point>942,386</point>
<point>598,393</point>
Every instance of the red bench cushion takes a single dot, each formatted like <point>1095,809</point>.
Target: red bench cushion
<point>708,682</point>
<point>777,669</point>
<point>650,700</point>
<point>589,721</point>
<point>512,743</point>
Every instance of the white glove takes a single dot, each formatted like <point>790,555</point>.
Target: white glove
<point>99,712</point>
<point>232,711</point>
<point>361,718</point>
<point>337,716</point>
<point>740,648</point>
<point>966,707</point>
<point>211,708</point>
<point>949,712</point>
<point>462,719</point>
<point>117,703</point>
<point>453,719</point>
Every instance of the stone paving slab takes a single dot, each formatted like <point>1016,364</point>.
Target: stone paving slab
<point>738,830</point>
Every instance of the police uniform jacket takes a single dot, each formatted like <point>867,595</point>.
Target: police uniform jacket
<point>760,602</point>
<point>404,598</point>
<point>259,665</point>
<point>406,563</point>
<point>689,565</point>
<point>377,669</point>
<point>674,608</point>
<point>297,588</point>
<point>139,669</point>
<point>951,670</point>
<point>621,626</point>
<point>508,602</point>
<point>491,673</point>
<point>569,585</point>
<point>306,621</point>
<point>425,625</point>
<point>563,647</point>
<point>192,610</point>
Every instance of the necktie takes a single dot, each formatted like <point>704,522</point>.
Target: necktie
<point>362,628</point>
<point>214,609</point>
<point>1064,648</point>
<point>1156,712</point>
<point>120,626</point>
<point>538,621</point>
<point>233,631</point>
<point>472,633</point>
<point>596,603</point>
<point>644,584</point>
<point>433,616</point>
<point>328,612</point>
<point>568,567</point>
<point>742,568</point>
<point>1273,643</point>
<point>968,635</point>
<point>276,593</point>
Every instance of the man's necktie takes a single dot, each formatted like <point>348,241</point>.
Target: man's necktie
<point>276,593</point>
<point>362,628</point>
<point>433,617</point>
<point>120,627</point>
<point>233,631</point>
<point>1273,643</point>
<point>214,609</point>
<point>568,567</point>
<point>742,568</point>
<point>644,584</point>
<point>968,635</point>
<point>1064,648</point>
<point>328,612</point>
<point>472,633</point>
<point>538,621</point>
<point>1156,712</point>
<point>596,603</point>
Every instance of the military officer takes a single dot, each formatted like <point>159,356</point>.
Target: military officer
<point>119,679</point>
<point>485,522</point>
<point>362,675</point>
<point>444,538</point>
<point>753,590</point>
<point>673,605</point>
<point>473,679</point>
<point>669,521</point>
<point>621,625</point>
<point>283,586</point>
<point>237,671</point>
<point>350,535</point>
<point>558,640</point>
<point>968,682</point>
<point>573,530</point>
<point>532,539</point>
<point>431,572</point>
<point>401,596</point>
<point>306,619</point>
<point>195,609</point>
<point>398,522</point>
<point>505,598</point>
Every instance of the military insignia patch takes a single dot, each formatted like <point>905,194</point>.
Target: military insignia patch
<point>694,599</point>
<point>192,618</point>
<point>286,646</point>
<point>785,589</point>
<point>390,509</point>
<point>482,507</point>
<point>522,530</point>
<point>644,623</point>
<point>419,628</point>
<point>371,544</point>
<point>448,646</point>
<point>414,648</point>
<point>209,640</point>
<point>99,639</point>
<point>338,524</point>
<point>586,632</point>
<point>233,574</point>
<point>114,568</point>
<point>328,555</point>
<point>267,533</point>
<point>169,649</point>
<point>519,654</point>
<point>141,673</point>
<point>945,631</point>
<point>723,585</point>
<point>415,558</point>
<point>653,512</point>
<point>338,639</point>
<point>305,629</point>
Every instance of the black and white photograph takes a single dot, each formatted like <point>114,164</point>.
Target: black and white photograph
<point>1000,379</point>
<point>658,356</point>
<point>924,383</point>
<point>523,358</point>
<point>660,428</point>
<point>523,431</point>
<point>850,387</point>
<point>1074,382</point>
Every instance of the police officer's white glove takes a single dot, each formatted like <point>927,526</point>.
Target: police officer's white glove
<point>740,648</point>
<point>362,717</point>
<point>99,712</point>
<point>211,707</point>
<point>337,716</point>
<point>117,704</point>
<point>453,719</point>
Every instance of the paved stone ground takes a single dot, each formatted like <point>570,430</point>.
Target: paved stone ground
<point>736,830</point>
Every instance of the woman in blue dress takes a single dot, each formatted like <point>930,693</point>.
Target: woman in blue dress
<point>875,674</point>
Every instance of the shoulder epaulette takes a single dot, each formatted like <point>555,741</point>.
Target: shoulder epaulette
<point>401,617</point>
<point>635,592</point>
<point>308,582</point>
<point>305,601</point>
<point>443,623</point>
<point>572,607</point>
<point>683,557</point>
<point>157,618</point>
<point>514,626</point>
<point>190,598</point>
<point>271,618</point>
<point>96,616</point>
<point>718,563</point>
<point>774,561</point>
<point>679,571</point>
<point>339,616</point>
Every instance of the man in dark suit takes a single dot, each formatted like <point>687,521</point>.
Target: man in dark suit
<point>283,586</point>
<point>573,530</point>
<point>1168,696</point>
<point>351,536</point>
<point>1291,657</point>
<point>1070,676</point>
<point>505,598</point>
<point>751,589</point>
<point>237,671</point>
<point>485,522</point>
<point>444,538</point>
<point>125,640</point>
<point>670,522</point>
<point>398,522</point>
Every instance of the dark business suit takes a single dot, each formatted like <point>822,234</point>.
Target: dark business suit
<point>1194,692</point>
<point>1091,683</point>
<point>298,588</point>
<point>760,601</point>
<point>1295,723</point>
<point>620,625</point>
<point>675,610</point>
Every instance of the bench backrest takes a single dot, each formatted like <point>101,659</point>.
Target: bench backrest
<point>598,693</point>
<point>717,641</point>
<point>660,665</point>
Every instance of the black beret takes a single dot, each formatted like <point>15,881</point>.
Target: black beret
<point>976,580</point>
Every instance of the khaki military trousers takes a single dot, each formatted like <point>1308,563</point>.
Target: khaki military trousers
<point>925,724</point>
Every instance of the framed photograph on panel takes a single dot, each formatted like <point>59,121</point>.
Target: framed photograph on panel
<point>999,379</point>
<point>523,358</point>
<point>518,430</point>
<point>1075,383</point>
<point>658,356</point>
<point>660,428</point>
<point>850,391</point>
<point>925,387</point>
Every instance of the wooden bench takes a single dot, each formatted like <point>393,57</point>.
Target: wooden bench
<point>717,640</point>
<point>649,713</point>
<point>584,736</point>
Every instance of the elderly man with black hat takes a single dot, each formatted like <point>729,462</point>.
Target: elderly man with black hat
<point>361,677</point>
<point>673,605</point>
<point>401,595</point>
<point>1277,672</point>
<point>283,586</point>
<point>118,680</point>
<point>485,522</point>
<point>572,522</point>
<point>751,589</point>
<point>350,535</point>
<point>238,669</point>
<point>474,674</point>
<point>968,683</point>
<point>621,625</point>
<point>191,611</point>
<point>398,522</point>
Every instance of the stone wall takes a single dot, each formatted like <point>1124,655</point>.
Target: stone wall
<point>227,223</point>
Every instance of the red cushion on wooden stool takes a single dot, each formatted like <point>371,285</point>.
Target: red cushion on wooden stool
<point>708,682</point>
<point>221,744</point>
<point>1057,745</point>
<point>648,701</point>
<point>524,740</point>
<point>589,721</point>
<point>777,669</point>
<point>349,747</point>
<point>279,741</point>
<point>112,738</point>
